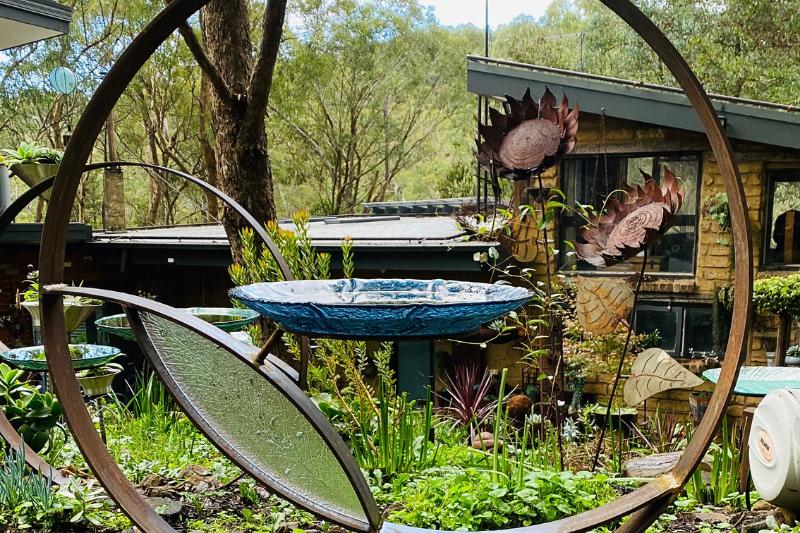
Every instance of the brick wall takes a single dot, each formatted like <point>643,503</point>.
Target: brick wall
<point>714,252</point>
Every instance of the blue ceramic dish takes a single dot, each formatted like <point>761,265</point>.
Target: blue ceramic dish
<point>381,308</point>
<point>83,356</point>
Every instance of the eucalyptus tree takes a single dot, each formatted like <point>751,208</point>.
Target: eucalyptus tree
<point>362,88</point>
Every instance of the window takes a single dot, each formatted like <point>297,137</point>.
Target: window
<point>590,179</point>
<point>783,219</point>
<point>684,328</point>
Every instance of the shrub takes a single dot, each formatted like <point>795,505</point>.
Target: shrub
<point>779,295</point>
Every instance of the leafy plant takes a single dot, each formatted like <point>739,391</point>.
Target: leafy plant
<point>716,208</point>
<point>31,292</point>
<point>29,152</point>
<point>725,466</point>
<point>779,295</point>
<point>104,370</point>
<point>32,413</point>
<point>468,390</point>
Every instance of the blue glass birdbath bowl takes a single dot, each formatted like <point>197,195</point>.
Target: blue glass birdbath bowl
<point>225,318</point>
<point>758,381</point>
<point>381,308</point>
<point>83,356</point>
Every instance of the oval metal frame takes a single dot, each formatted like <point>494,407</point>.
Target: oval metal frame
<point>270,371</point>
<point>645,503</point>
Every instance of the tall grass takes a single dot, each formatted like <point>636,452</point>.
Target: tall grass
<point>726,459</point>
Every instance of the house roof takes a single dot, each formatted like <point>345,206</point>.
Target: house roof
<point>26,21</point>
<point>381,243</point>
<point>423,232</point>
<point>746,120</point>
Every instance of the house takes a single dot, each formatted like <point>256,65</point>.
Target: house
<point>627,126</point>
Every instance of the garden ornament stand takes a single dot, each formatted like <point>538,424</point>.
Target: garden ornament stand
<point>276,434</point>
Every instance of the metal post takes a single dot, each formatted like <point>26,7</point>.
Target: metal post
<point>5,187</point>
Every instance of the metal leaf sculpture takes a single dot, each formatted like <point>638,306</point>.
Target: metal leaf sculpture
<point>529,138</point>
<point>603,303</point>
<point>630,227</point>
<point>655,371</point>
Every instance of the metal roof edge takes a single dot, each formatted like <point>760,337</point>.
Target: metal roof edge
<point>761,122</point>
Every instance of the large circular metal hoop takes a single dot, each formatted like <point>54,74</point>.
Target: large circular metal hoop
<point>645,502</point>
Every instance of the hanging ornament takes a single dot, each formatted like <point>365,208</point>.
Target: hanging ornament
<point>62,80</point>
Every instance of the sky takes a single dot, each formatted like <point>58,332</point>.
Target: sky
<point>454,12</point>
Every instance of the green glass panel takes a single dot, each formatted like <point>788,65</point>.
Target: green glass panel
<point>265,430</point>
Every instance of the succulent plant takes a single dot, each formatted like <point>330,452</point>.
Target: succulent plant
<point>529,137</point>
<point>630,227</point>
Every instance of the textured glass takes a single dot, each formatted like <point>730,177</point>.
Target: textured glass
<point>264,429</point>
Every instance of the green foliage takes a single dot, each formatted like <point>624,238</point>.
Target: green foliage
<point>473,500</point>
<point>21,493</point>
<point>779,295</point>
<point>32,413</point>
<point>725,465</point>
<point>29,152</point>
<point>717,209</point>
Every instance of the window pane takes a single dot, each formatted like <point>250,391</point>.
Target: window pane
<point>784,227</point>
<point>699,330</point>
<point>589,180</point>
<point>666,321</point>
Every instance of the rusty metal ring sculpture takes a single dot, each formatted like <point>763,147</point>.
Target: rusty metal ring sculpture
<point>643,504</point>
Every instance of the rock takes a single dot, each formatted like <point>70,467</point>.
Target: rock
<point>484,441</point>
<point>762,505</point>
<point>712,517</point>
<point>651,465</point>
<point>784,516</point>
<point>165,506</point>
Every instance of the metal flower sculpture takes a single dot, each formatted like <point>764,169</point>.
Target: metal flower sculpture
<point>530,138</point>
<point>630,227</point>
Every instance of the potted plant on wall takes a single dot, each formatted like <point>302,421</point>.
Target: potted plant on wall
<point>33,163</point>
<point>76,309</point>
<point>779,295</point>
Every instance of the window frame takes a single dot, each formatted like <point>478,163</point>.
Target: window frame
<point>681,310</point>
<point>656,155</point>
<point>775,176</point>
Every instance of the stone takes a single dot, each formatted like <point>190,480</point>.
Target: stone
<point>651,466</point>
<point>484,441</point>
<point>762,505</point>
<point>165,506</point>
<point>712,517</point>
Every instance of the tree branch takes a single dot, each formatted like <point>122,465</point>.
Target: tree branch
<point>210,70</point>
<point>261,79</point>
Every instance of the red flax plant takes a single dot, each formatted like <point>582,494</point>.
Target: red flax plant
<point>627,228</point>
<point>468,389</point>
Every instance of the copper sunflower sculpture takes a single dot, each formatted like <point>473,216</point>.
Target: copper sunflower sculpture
<point>630,227</point>
<point>529,138</point>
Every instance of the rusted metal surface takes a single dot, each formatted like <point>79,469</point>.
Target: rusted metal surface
<point>530,138</point>
<point>630,226</point>
<point>646,502</point>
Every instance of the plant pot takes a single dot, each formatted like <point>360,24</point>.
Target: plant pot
<point>74,314</point>
<point>792,360</point>
<point>33,173</point>
<point>770,358</point>
<point>98,385</point>
<point>698,404</point>
<point>624,418</point>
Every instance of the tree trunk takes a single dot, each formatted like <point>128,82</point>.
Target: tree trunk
<point>113,183</point>
<point>208,151</point>
<point>238,117</point>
